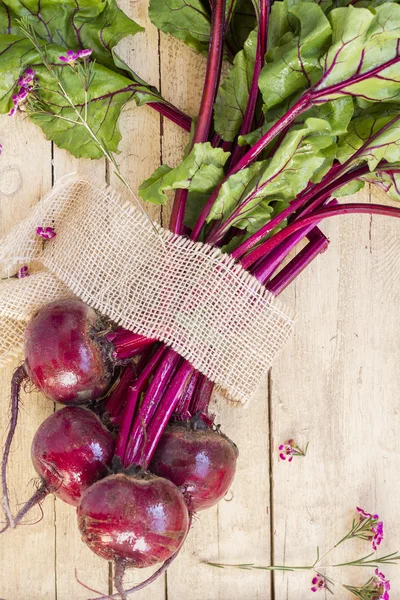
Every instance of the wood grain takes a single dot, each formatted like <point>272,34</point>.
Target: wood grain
<point>336,384</point>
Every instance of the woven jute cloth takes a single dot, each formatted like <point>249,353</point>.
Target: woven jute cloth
<point>189,295</point>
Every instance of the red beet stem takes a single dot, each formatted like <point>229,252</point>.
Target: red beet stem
<point>172,113</point>
<point>125,440</point>
<point>202,396</point>
<point>128,344</point>
<point>182,410</point>
<point>318,215</point>
<point>248,118</point>
<point>128,413</point>
<point>116,399</point>
<point>203,124</point>
<point>166,407</point>
<point>18,377</point>
<point>317,245</point>
<point>297,109</point>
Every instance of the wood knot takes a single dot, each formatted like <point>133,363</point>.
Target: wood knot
<point>10,180</point>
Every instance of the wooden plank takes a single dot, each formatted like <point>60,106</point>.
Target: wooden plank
<point>236,530</point>
<point>25,175</point>
<point>337,385</point>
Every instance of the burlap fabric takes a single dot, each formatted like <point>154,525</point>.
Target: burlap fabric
<point>188,295</point>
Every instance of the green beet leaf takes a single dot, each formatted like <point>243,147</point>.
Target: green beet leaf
<point>299,156</point>
<point>108,93</point>
<point>295,65</point>
<point>8,23</point>
<point>242,21</point>
<point>233,94</point>
<point>372,137</point>
<point>363,43</point>
<point>17,54</point>
<point>349,188</point>
<point>387,178</point>
<point>235,189</point>
<point>73,24</point>
<point>186,20</point>
<point>201,171</point>
<point>61,26</point>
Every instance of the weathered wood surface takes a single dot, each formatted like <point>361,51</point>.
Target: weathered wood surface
<point>336,384</point>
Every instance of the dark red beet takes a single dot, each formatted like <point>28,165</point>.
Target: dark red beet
<point>200,463</point>
<point>64,357</point>
<point>71,450</point>
<point>142,520</point>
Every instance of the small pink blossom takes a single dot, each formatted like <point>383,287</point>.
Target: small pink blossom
<point>27,78</point>
<point>23,272</point>
<point>72,56</point>
<point>47,233</point>
<point>291,449</point>
<point>85,53</point>
<point>286,451</point>
<point>365,514</point>
<point>318,583</point>
<point>375,527</point>
<point>25,83</point>
<point>382,585</point>
<point>1,149</point>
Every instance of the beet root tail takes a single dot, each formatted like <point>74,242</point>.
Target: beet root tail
<point>19,376</point>
<point>160,571</point>
<point>120,567</point>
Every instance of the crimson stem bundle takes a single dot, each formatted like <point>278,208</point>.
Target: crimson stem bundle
<point>307,113</point>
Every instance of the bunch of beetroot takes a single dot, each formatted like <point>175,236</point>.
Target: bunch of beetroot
<point>135,452</point>
<point>308,113</point>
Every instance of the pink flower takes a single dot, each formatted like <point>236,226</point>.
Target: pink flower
<point>382,585</point>
<point>47,233</point>
<point>291,449</point>
<point>23,272</point>
<point>374,527</point>
<point>72,55</point>
<point>25,83</point>
<point>85,53</point>
<point>27,78</point>
<point>286,451</point>
<point>318,583</point>
<point>365,514</point>
<point>1,149</point>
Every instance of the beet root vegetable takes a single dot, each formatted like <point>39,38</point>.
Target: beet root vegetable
<point>66,358</point>
<point>200,462</point>
<point>72,450</point>
<point>140,520</point>
<point>65,355</point>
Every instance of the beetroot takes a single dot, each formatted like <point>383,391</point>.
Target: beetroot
<point>141,520</point>
<point>64,355</point>
<point>200,462</point>
<point>70,451</point>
